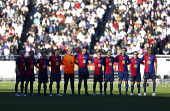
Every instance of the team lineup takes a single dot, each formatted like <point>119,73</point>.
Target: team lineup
<point>25,71</point>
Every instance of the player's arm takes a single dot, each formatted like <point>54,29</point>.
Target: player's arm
<point>155,67</point>
<point>76,56</point>
<point>36,62</point>
<point>49,61</point>
<point>17,68</point>
<point>62,61</point>
<point>89,57</point>
<point>75,61</point>
<point>36,66</point>
<point>104,62</point>
<point>91,61</point>
<point>143,60</point>
<point>129,62</point>
<point>116,58</point>
<point>155,61</point>
<point>88,60</point>
<point>25,60</point>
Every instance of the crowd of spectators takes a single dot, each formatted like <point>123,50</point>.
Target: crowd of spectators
<point>136,25</point>
<point>64,24</point>
<point>12,21</point>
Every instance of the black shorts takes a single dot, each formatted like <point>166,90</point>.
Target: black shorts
<point>30,78</point>
<point>20,78</point>
<point>55,77</point>
<point>98,78</point>
<point>83,73</point>
<point>42,77</point>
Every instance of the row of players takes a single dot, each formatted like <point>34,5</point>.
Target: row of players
<point>25,71</point>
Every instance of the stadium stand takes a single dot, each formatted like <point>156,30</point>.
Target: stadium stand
<point>97,24</point>
<point>65,24</point>
<point>13,14</point>
<point>136,25</point>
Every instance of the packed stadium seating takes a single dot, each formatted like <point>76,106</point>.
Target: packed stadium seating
<point>49,24</point>
<point>136,25</point>
<point>13,14</point>
<point>65,24</point>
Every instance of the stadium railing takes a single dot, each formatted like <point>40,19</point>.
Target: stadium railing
<point>13,57</point>
<point>161,81</point>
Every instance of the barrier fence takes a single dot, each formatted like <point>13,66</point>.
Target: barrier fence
<point>13,57</point>
<point>7,70</point>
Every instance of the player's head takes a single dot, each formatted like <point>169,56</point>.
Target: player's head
<point>31,53</point>
<point>22,52</point>
<point>123,50</point>
<point>109,53</point>
<point>43,55</point>
<point>69,51</point>
<point>98,54</point>
<point>135,54</point>
<point>56,52</point>
<point>84,50</point>
<point>149,50</point>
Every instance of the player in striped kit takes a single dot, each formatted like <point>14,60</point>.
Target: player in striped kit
<point>98,73</point>
<point>30,63</point>
<point>109,71</point>
<point>122,60</point>
<point>150,70</point>
<point>83,58</point>
<point>55,71</point>
<point>135,72</point>
<point>43,76</point>
<point>20,72</point>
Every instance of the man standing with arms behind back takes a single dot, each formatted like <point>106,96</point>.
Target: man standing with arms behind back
<point>150,70</point>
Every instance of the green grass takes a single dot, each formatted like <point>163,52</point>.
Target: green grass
<point>84,103</point>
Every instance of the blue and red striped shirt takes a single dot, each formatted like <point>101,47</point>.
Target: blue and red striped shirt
<point>98,65</point>
<point>55,64</point>
<point>122,63</point>
<point>82,60</point>
<point>43,63</point>
<point>149,62</point>
<point>20,61</point>
<point>135,66</point>
<point>30,63</point>
<point>108,63</point>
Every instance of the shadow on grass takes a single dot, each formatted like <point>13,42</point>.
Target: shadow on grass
<point>81,103</point>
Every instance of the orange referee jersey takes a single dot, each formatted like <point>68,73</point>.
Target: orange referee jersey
<point>69,62</point>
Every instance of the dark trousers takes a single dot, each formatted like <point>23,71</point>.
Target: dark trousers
<point>66,79</point>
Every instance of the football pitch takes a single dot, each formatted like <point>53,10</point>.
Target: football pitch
<point>84,103</point>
